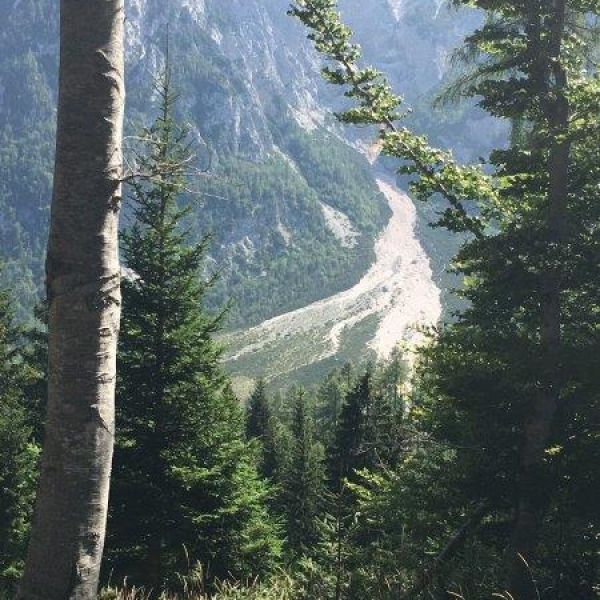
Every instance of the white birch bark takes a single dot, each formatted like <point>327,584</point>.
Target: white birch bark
<point>84,307</point>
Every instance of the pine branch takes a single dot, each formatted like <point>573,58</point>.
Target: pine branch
<point>377,104</point>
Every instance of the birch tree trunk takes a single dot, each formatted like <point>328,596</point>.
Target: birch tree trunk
<point>83,286</point>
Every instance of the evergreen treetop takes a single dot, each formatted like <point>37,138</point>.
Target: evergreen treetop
<point>185,483</point>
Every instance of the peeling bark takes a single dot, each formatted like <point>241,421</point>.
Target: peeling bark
<point>83,286</point>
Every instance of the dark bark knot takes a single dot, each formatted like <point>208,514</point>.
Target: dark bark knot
<point>109,71</point>
<point>107,295</point>
<point>97,416</point>
<point>114,203</point>
<point>90,546</point>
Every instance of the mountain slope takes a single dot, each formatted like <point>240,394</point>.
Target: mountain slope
<point>391,301</point>
<point>249,91</point>
<point>283,189</point>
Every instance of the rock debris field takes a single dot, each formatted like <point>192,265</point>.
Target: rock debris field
<point>398,291</point>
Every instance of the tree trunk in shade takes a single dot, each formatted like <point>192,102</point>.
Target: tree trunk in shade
<point>533,495</point>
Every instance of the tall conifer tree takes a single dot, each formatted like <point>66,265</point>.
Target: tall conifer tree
<point>304,481</point>
<point>349,449</point>
<point>261,425</point>
<point>185,484</point>
<point>515,376</point>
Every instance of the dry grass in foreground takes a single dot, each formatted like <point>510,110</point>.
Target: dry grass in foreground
<point>281,588</point>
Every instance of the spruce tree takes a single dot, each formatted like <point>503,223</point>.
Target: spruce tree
<point>258,411</point>
<point>185,482</point>
<point>330,399</point>
<point>261,425</point>
<point>348,452</point>
<point>303,485</point>
<point>35,351</point>
<point>517,355</point>
<point>18,474</point>
<point>368,435</point>
<point>392,375</point>
<point>515,377</point>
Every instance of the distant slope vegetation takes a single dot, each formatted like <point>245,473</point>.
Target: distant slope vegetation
<point>250,100</point>
<point>273,246</point>
<point>364,322</point>
<point>251,92</point>
<point>28,72</point>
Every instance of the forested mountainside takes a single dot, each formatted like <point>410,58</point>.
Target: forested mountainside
<point>283,189</point>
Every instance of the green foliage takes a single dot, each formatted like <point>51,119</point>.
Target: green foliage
<point>349,452</point>
<point>27,128</point>
<point>18,474</point>
<point>406,516</point>
<point>249,185</point>
<point>528,270</point>
<point>376,104</point>
<point>287,257</point>
<point>492,366</point>
<point>407,467</point>
<point>303,480</point>
<point>35,355</point>
<point>330,399</point>
<point>280,587</point>
<point>369,432</point>
<point>262,426</point>
<point>185,482</point>
<point>18,451</point>
<point>258,412</point>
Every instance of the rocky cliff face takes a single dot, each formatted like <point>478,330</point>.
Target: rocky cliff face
<point>251,91</point>
<point>241,63</point>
